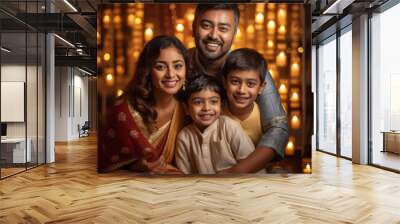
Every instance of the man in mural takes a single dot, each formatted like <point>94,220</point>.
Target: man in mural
<point>214,30</point>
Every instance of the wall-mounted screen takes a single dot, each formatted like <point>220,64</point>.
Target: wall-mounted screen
<point>12,101</point>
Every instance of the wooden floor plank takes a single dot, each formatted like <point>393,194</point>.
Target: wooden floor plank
<point>71,191</point>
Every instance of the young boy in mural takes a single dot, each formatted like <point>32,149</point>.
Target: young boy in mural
<point>214,29</point>
<point>212,142</point>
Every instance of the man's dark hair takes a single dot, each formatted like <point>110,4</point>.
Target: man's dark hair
<point>201,8</point>
<point>244,59</point>
<point>199,83</point>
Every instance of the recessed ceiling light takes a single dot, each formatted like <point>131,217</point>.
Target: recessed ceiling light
<point>84,71</point>
<point>70,5</point>
<point>65,41</point>
<point>5,49</point>
<point>337,7</point>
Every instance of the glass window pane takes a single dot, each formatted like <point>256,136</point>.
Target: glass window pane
<point>327,96</point>
<point>385,84</point>
<point>346,94</point>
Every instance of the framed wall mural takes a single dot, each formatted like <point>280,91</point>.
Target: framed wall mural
<point>204,88</point>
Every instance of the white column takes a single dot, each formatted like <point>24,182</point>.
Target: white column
<point>360,90</point>
<point>50,92</point>
<point>50,98</point>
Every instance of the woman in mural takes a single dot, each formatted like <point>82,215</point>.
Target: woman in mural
<point>141,127</point>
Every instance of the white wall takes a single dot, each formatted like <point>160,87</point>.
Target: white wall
<point>71,93</point>
<point>13,73</point>
<point>61,103</point>
<point>80,111</point>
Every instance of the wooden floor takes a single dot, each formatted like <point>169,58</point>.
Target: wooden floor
<point>10,171</point>
<point>70,191</point>
<point>387,159</point>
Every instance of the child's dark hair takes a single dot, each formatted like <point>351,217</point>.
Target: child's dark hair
<point>244,59</point>
<point>199,83</point>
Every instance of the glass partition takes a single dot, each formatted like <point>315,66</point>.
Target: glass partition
<point>14,152</point>
<point>22,89</point>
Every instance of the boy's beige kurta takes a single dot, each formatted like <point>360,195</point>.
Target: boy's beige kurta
<point>219,147</point>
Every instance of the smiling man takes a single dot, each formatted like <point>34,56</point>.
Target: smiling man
<point>214,30</point>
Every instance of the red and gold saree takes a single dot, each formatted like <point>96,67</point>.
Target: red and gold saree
<point>123,140</point>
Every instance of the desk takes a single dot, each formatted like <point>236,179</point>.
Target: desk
<point>391,141</point>
<point>13,150</point>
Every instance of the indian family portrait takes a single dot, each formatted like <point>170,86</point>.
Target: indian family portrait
<point>203,88</point>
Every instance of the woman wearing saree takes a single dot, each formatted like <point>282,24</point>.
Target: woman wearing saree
<point>141,127</point>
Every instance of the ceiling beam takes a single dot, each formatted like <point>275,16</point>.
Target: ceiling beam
<point>83,61</point>
<point>86,26</point>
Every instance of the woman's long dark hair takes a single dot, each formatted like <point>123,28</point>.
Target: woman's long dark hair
<point>140,90</point>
